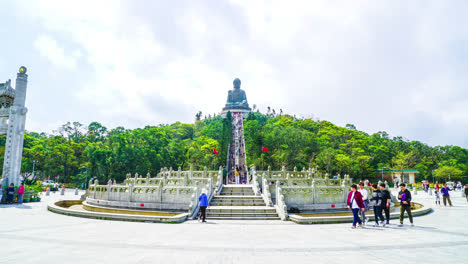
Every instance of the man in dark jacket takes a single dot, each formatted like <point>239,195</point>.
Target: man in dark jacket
<point>376,201</point>
<point>405,204</point>
<point>386,198</point>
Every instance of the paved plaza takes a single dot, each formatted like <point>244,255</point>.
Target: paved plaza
<point>31,234</point>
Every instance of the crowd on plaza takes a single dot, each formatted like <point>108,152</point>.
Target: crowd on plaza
<point>359,202</point>
<point>10,193</point>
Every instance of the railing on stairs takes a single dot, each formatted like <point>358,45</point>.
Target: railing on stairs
<point>280,206</point>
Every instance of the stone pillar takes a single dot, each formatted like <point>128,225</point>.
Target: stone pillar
<point>15,132</point>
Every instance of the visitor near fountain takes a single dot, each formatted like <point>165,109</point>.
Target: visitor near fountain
<point>437,197</point>
<point>365,200</point>
<point>376,202</point>
<point>203,199</point>
<point>446,195</point>
<point>405,205</point>
<point>386,198</point>
<point>356,204</point>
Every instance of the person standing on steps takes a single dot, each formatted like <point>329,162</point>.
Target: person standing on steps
<point>386,198</point>
<point>203,199</point>
<point>446,195</point>
<point>236,175</point>
<point>405,204</point>
<point>356,204</point>
<point>376,200</point>
<point>1,192</point>
<point>365,200</point>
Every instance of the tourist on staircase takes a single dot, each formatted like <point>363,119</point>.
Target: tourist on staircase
<point>236,174</point>
<point>203,200</point>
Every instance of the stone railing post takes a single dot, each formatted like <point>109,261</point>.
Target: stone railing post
<point>96,182</point>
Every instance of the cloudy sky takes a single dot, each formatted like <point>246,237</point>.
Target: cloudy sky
<point>395,66</point>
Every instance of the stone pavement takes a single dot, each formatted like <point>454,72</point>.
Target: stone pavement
<point>31,234</point>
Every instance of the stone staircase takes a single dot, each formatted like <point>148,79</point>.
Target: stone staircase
<point>238,202</point>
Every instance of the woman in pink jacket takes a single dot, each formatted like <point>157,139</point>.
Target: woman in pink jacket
<point>20,193</point>
<point>356,204</point>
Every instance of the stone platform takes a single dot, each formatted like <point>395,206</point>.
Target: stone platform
<point>32,234</point>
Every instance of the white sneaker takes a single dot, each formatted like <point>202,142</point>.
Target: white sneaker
<point>376,225</point>
<point>412,224</point>
<point>400,225</point>
<point>383,224</point>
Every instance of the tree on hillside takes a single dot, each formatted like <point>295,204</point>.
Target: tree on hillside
<point>448,173</point>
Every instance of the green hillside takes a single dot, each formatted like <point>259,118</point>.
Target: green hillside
<point>301,143</point>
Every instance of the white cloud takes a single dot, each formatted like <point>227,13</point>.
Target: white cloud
<point>382,65</point>
<point>49,48</point>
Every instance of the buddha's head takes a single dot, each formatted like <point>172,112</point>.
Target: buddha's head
<point>237,83</point>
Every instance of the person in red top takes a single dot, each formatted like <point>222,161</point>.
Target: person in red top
<point>20,193</point>
<point>355,203</point>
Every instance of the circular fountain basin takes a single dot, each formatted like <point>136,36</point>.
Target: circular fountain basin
<point>84,209</point>
<point>340,216</point>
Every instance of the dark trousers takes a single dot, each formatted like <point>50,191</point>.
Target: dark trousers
<point>203,213</point>
<point>356,218</point>
<point>406,208</point>
<point>445,200</point>
<point>378,214</point>
<point>387,213</point>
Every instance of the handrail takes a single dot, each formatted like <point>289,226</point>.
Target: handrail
<point>280,206</point>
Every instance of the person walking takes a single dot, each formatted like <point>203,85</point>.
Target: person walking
<point>20,194</point>
<point>236,175</point>
<point>386,198</point>
<point>437,187</point>
<point>1,192</point>
<point>365,200</point>
<point>355,203</point>
<point>203,200</point>
<point>405,204</point>
<point>10,194</point>
<point>446,195</point>
<point>376,201</point>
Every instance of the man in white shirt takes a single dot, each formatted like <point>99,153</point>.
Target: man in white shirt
<point>365,199</point>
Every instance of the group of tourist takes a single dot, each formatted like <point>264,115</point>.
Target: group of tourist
<point>10,193</point>
<point>359,202</point>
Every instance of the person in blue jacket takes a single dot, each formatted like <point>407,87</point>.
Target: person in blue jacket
<point>203,199</point>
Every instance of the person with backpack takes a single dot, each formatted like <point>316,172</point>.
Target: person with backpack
<point>376,201</point>
<point>446,195</point>
<point>203,199</point>
<point>405,204</point>
<point>355,203</point>
<point>386,198</point>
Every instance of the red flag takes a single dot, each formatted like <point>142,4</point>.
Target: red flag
<point>264,149</point>
<point>215,152</point>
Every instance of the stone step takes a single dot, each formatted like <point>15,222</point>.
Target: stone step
<point>236,204</point>
<point>238,197</point>
<point>251,193</point>
<point>242,215</point>
<point>243,218</point>
<point>241,209</point>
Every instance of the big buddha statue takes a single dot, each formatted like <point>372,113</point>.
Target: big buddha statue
<point>237,100</point>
